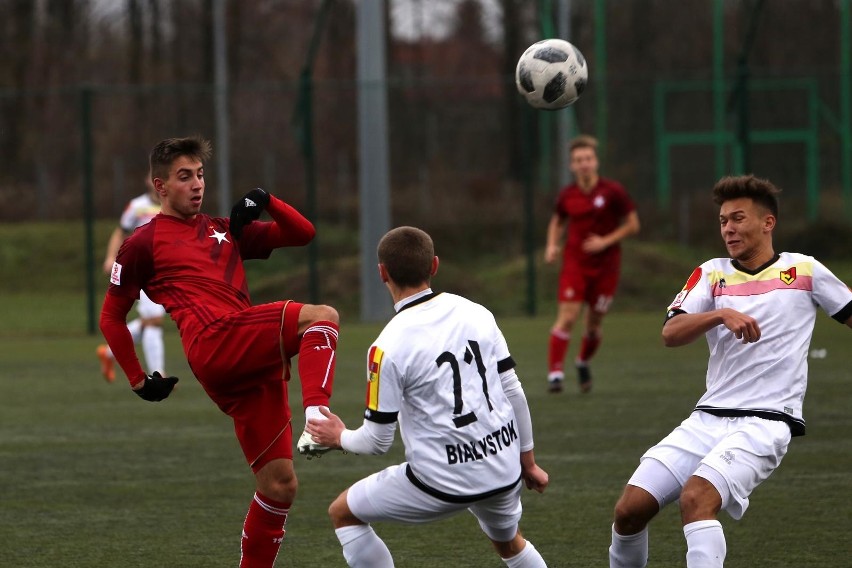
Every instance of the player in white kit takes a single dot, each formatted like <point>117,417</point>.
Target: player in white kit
<point>442,368</point>
<point>757,310</point>
<point>146,329</point>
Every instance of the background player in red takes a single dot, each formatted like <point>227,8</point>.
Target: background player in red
<point>192,264</point>
<point>598,213</point>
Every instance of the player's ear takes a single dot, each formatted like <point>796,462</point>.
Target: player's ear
<point>383,273</point>
<point>159,187</point>
<point>434,270</point>
<point>769,222</point>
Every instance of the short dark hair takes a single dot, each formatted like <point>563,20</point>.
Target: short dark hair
<point>166,152</point>
<point>407,254</point>
<point>583,141</point>
<point>761,191</point>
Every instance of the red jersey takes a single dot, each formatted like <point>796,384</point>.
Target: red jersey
<point>193,268</point>
<point>599,212</point>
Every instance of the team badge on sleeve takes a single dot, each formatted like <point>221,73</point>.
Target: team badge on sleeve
<point>694,278</point>
<point>115,274</point>
<point>374,370</point>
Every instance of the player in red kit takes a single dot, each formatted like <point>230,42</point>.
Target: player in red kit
<point>192,264</point>
<point>598,213</point>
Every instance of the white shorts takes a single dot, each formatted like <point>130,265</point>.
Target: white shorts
<point>147,309</point>
<point>388,495</point>
<point>734,454</point>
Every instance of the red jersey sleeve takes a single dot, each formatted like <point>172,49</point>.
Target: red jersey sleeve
<point>114,327</point>
<point>288,229</point>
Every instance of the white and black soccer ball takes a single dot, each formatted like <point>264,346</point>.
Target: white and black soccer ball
<point>551,74</point>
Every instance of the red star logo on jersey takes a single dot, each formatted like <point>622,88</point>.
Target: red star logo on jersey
<point>788,276</point>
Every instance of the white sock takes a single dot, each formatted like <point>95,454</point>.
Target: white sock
<point>629,551</point>
<point>314,412</point>
<point>526,558</point>
<point>362,548</point>
<point>152,345</point>
<point>135,329</point>
<point>705,544</point>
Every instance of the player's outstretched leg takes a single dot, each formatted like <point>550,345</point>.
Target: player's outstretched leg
<point>317,358</point>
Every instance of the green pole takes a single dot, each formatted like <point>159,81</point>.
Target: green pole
<point>545,119</point>
<point>529,210</point>
<point>719,84</point>
<point>845,106</point>
<point>88,207</point>
<point>812,145</point>
<point>664,188</point>
<point>602,111</point>
<point>304,119</point>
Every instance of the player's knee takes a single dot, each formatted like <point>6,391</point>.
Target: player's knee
<point>510,548</point>
<point>325,313</point>
<point>340,514</point>
<point>699,501</point>
<point>280,487</point>
<point>628,519</point>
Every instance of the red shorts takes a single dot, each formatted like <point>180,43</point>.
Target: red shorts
<point>242,361</point>
<point>594,285</point>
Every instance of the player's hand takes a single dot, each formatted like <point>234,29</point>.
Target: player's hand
<point>551,253</point>
<point>593,244</point>
<point>156,387</point>
<point>326,431</point>
<point>247,209</point>
<point>535,478</point>
<point>744,327</point>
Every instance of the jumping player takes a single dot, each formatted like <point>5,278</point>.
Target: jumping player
<point>757,310</point>
<point>443,369</point>
<point>598,213</point>
<point>148,327</point>
<point>192,264</point>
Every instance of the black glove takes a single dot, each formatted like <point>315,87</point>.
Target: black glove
<point>247,209</point>
<point>157,387</point>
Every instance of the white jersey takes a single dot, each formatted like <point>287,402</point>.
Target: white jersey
<point>138,212</point>
<point>768,377</point>
<point>436,368</point>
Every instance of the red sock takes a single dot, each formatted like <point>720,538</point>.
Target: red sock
<point>589,347</point>
<point>316,362</point>
<point>556,350</point>
<point>263,532</point>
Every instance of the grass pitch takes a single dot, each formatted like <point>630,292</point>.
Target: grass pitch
<point>94,477</point>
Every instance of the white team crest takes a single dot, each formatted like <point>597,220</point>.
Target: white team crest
<point>218,236</point>
<point>115,274</point>
<point>598,202</point>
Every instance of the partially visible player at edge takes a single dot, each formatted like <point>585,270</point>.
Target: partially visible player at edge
<point>598,213</point>
<point>192,264</point>
<point>757,311</point>
<point>148,327</point>
<point>442,368</point>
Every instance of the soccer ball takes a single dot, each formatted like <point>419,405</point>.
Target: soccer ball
<point>551,74</point>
